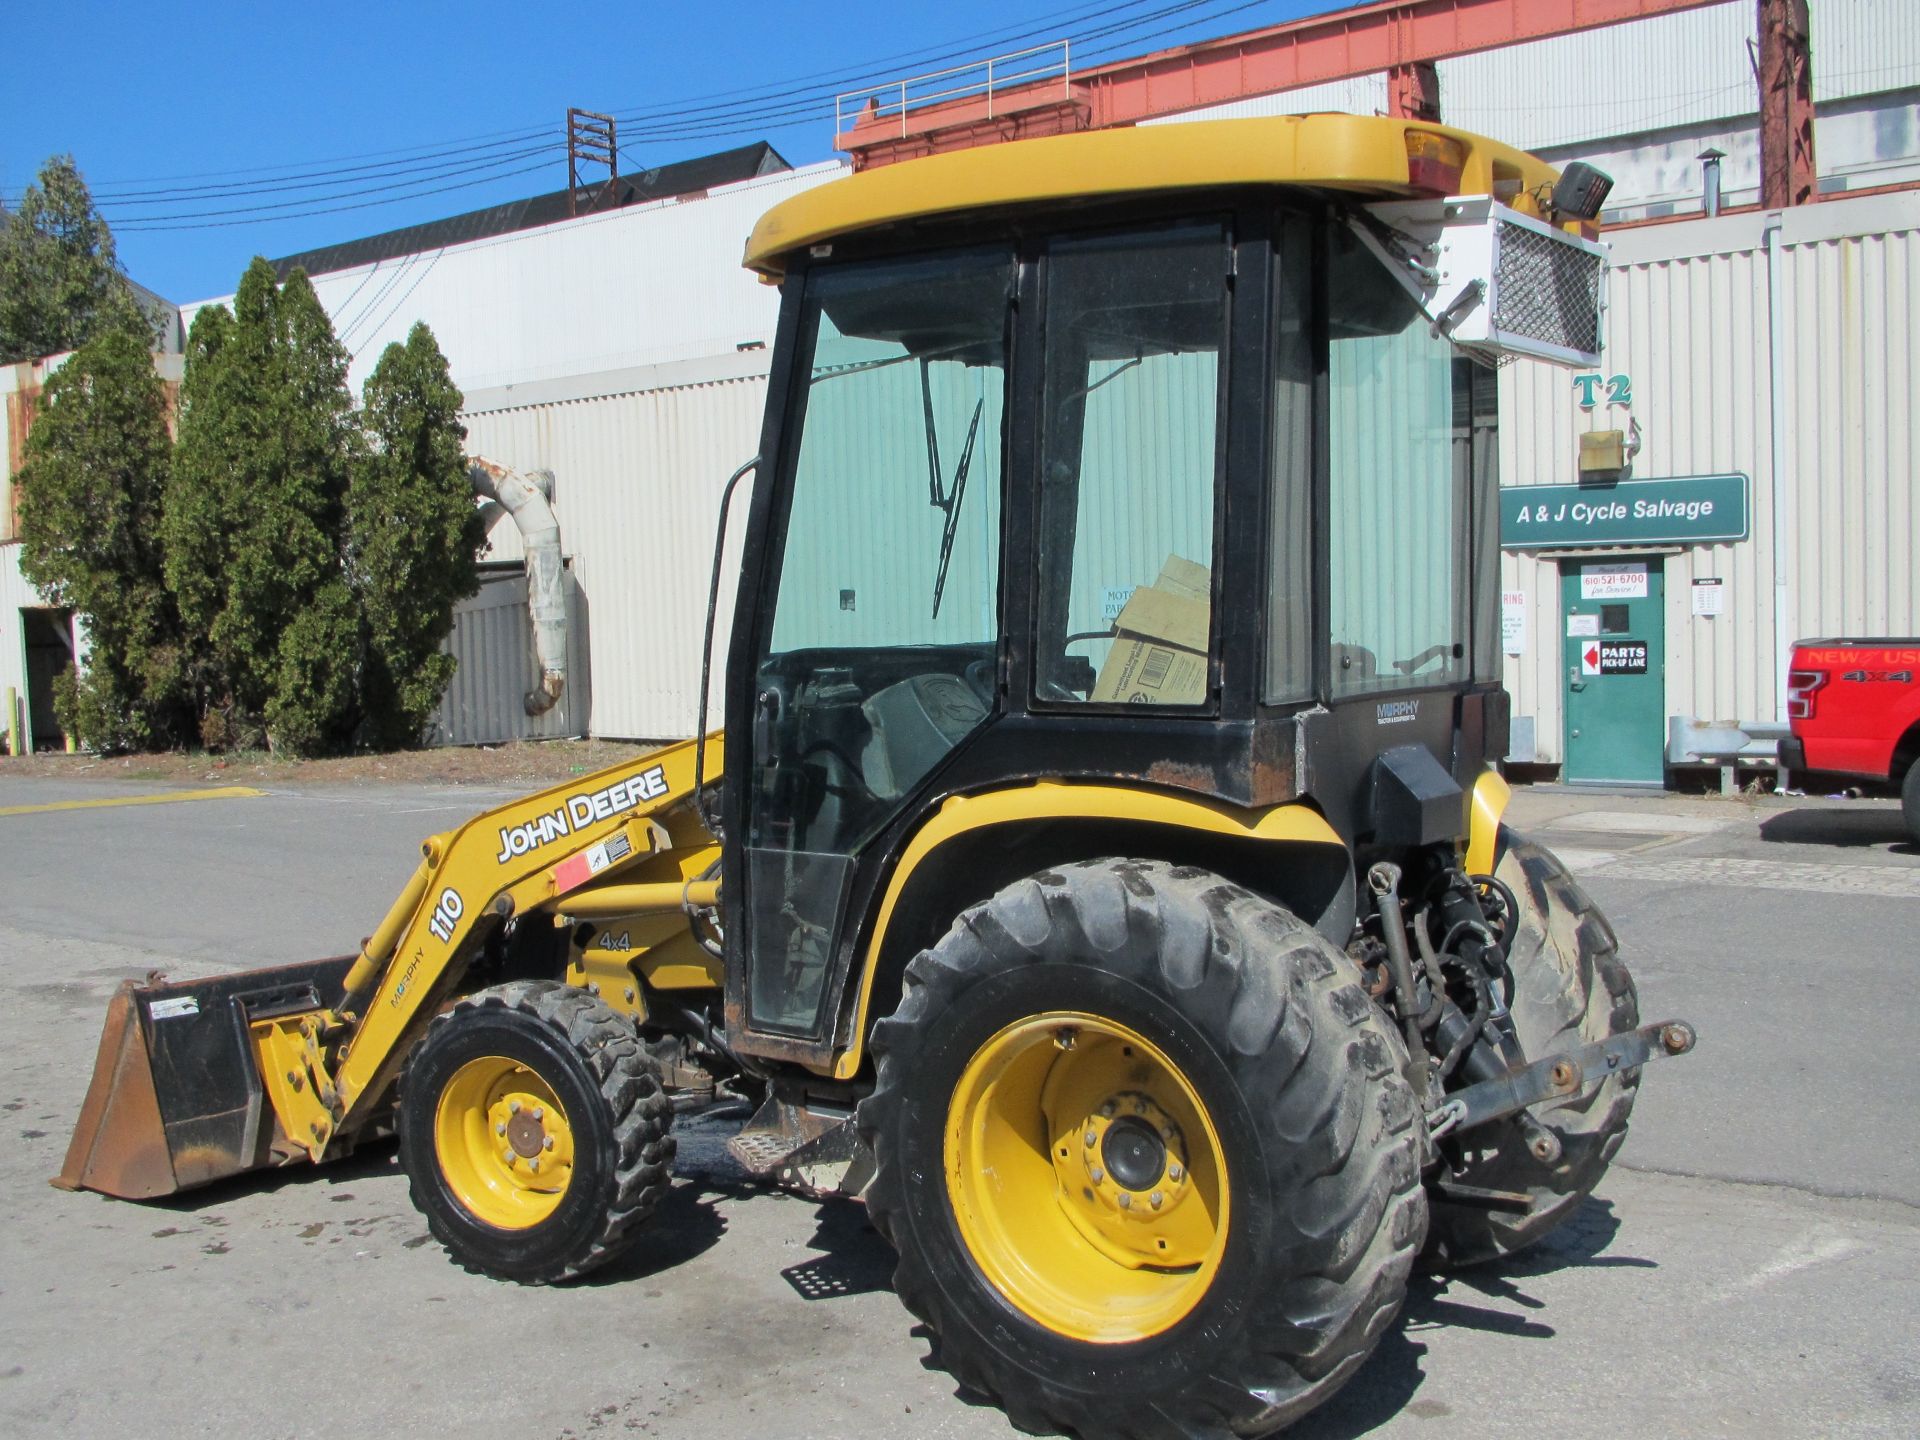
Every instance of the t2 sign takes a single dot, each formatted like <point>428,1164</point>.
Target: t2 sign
<point>1619,390</point>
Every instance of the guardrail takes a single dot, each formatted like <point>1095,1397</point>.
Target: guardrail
<point>1727,744</point>
<point>897,98</point>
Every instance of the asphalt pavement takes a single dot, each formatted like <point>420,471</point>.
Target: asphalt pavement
<point>1750,1267</point>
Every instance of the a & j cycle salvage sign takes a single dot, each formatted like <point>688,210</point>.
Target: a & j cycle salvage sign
<point>1695,510</point>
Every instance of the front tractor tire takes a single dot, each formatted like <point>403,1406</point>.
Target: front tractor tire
<point>1570,989</point>
<point>534,1132</point>
<point>1146,1152</point>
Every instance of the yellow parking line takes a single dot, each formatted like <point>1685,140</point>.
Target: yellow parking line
<point>225,792</point>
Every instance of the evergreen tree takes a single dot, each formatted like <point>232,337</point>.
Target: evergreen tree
<point>60,279</point>
<point>90,498</point>
<point>413,532</point>
<point>256,513</point>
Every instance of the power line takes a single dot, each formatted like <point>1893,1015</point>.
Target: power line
<point>345,328</point>
<point>745,117</point>
<point>158,223</point>
<point>753,105</point>
<point>312,179</point>
<point>273,171</point>
<point>408,183</point>
<point>405,296</point>
<point>317,191</point>
<point>870,72</point>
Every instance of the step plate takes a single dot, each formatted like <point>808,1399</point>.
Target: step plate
<point>761,1151</point>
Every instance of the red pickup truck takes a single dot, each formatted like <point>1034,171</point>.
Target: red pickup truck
<point>1854,708</point>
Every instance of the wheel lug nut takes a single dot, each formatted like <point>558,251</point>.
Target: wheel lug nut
<point>1093,1137</point>
<point>1098,1175</point>
<point>513,1107</point>
<point>1175,1173</point>
<point>539,1112</point>
<point>534,1165</point>
<point>1126,1201</point>
<point>1156,1199</point>
<point>547,1144</point>
<point>511,1157</point>
<point>500,1128</point>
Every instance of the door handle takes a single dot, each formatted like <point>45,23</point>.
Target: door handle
<point>1574,682</point>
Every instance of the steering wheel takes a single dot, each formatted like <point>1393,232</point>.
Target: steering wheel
<point>983,679</point>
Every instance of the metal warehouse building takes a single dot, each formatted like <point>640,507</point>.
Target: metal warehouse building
<point>1759,376</point>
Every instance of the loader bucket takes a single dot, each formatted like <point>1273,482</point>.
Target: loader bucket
<point>176,1099</point>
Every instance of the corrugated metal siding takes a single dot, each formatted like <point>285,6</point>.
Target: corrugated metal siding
<point>1688,323</point>
<point>1864,47</point>
<point>645,284</point>
<point>1652,74</point>
<point>493,642</point>
<point>15,595</point>
<point>1357,95</point>
<point>1853,347</point>
<point>1690,75</point>
<point>637,492</point>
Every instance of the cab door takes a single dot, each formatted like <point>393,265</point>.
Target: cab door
<point>876,651</point>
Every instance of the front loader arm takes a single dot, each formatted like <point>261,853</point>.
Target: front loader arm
<point>521,858</point>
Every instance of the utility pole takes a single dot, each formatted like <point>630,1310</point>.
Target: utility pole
<point>1787,172</point>
<point>590,141</point>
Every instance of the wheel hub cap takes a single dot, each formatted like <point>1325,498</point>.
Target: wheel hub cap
<point>1136,1156</point>
<point>503,1142</point>
<point>1086,1177</point>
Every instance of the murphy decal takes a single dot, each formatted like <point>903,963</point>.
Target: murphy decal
<point>577,812</point>
<point>1696,510</point>
<point>1396,712</point>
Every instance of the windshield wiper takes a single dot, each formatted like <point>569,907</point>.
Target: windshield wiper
<point>951,501</point>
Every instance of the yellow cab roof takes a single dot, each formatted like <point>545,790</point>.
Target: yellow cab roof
<point>1365,154</point>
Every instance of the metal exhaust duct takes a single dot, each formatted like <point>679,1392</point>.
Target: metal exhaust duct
<point>527,499</point>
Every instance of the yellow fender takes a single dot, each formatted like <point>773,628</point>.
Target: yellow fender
<point>1054,800</point>
<point>1484,811</point>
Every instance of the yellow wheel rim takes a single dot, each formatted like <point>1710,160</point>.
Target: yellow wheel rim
<point>1087,1178</point>
<point>503,1142</point>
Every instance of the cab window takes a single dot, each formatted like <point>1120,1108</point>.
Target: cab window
<point>1130,458</point>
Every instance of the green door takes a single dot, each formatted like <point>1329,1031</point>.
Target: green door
<point>1613,621</point>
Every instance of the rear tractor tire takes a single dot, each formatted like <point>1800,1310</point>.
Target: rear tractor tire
<point>534,1132</point>
<point>1145,1150</point>
<point>1570,989</point>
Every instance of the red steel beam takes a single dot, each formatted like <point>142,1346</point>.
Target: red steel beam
<point>1389,35</point>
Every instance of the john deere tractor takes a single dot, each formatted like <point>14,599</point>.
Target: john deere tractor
<point>1102,874</point>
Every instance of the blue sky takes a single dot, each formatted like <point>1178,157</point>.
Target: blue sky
<point>186,120</point>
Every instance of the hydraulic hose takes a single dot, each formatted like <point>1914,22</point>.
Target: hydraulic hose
<point>1384,880</point>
